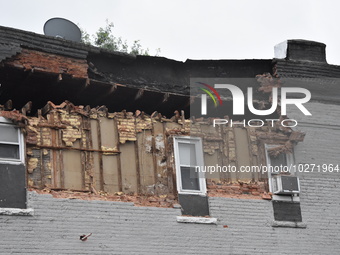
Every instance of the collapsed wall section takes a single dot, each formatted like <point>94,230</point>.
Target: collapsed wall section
<point>91,150</point>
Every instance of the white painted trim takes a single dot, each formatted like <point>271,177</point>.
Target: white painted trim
<point>199,220</point>
<point>17,211</point>
<point>285,198</point>
<point>288,224</point>
<point>200,158</point>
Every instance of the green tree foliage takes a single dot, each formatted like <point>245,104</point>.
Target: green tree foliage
<point>105,39</point>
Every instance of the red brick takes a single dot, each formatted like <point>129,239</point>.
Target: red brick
<point>266,196</point>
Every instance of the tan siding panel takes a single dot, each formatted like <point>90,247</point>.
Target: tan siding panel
<point>72,170</point>
<point>129,171</point>
<point>242,152</point>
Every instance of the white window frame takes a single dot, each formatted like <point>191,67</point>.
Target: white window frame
<point>290,161</point>
<point>200,162</point>
<point>20,144</point>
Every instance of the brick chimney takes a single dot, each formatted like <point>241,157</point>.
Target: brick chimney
<point>301,50</point>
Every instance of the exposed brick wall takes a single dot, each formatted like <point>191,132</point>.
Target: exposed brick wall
<point>49,63</point>
<point>257,189</point>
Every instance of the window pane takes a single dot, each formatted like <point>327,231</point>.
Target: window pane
<point>187,154</point>
<point>9,151</point>
<point>189,178</point>
<point>281,159</point>
<point>8,133</point>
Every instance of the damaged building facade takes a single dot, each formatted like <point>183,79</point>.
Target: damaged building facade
<point>93,141</point>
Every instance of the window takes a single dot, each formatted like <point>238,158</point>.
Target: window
<point>285,186</point>
<point>189,159</point>
<point>277,165</point>
<point>12,167</point>
<point>11,149</point>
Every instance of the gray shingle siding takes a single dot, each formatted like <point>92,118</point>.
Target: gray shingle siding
<point>121,228</point>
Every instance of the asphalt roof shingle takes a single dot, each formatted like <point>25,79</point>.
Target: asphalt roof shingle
<point>8,50</point>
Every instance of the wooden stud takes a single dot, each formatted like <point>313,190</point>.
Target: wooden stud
<point>83,157</point>
<point>26,108</point>
<point>100,156</point>
<point>119,163</point>
<point>54,154</point>
<point>139,187</point>
<point>60,155</point>
<point>153,149</point>
<point>8,105</point>
<point>42,172</point>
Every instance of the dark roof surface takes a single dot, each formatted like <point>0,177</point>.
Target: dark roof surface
<point>52,44</point>
<point>8,50</point>
<point>306,69</point>
<point>121,80</point>
<point>321,79</point>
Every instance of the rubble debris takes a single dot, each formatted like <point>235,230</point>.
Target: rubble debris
<point>12,115</point>
<point>268,82</point>
<point>167,201</point>
<point>85,237</point>
<point>285,148</point>
<point>254,190</point>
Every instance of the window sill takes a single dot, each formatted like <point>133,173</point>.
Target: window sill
<point>11,162</point>
<point>17,211</point>
<point>202,194</point>
<point>199,220</point>
<point>288,224</point>
<point>286,198</point>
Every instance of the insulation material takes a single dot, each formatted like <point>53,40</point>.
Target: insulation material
<point>70,135</point>
<point>34,168</point>
<point>32,165</point>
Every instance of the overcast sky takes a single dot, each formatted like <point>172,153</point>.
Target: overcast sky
<point>193,29</point>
